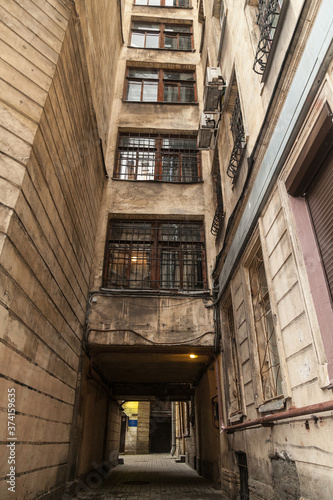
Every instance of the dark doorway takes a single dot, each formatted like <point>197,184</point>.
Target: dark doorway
<point>123,428</point>
<point>160,427</point>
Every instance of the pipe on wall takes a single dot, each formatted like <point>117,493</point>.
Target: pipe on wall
<point>291,413</point>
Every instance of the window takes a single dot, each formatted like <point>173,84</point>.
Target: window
<point>234,400</point>
<point>155,255</point>
<point>270,373</point>
<point>243,476</point>
<point>219,211</point>
<point>162,36</point>
<point>164,3</point>
<point>152,157</point>
<point>267,20</point>
<point>237,131</point>
<point>158,85</point>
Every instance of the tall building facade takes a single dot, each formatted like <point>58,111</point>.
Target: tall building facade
<point>166,241</point>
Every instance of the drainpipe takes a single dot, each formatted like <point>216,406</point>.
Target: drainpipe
<point>173,428</point>
<point>291,413</point>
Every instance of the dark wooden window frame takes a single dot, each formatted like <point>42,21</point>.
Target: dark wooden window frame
<point>161,84</point>
<point>153,241</point>
<point>161,33</point>
<point>313,154</point>
<point>159,154</point>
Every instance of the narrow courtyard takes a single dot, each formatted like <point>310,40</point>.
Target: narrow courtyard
<point>153,477</point>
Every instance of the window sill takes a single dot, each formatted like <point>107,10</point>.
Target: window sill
<point>236,418</point>
<point>162,50</point>
<point>162,102</point>
<point>273,405</point>
<point>157,181</point>
<point>162,7</point>
<point>156,293</point>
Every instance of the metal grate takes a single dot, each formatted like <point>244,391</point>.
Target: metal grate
<point>219,212</point>
<point>155,255</point>
<point>267,20</point>
<point>270,373</point>
<point>152,157</point>
<point>237,130</point>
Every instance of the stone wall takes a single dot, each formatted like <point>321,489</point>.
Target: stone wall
<point>52,174</point>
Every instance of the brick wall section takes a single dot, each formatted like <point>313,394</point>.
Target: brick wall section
<point>52,164</point>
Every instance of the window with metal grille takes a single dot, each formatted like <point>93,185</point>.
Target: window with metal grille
<point>270,373</point>
<point>152,254</point>
<point>153,157</point>
<point>267,20</point>
<point>160,85</point>
<point>164,3</point>
<point>238,134</point>
<point>219,211</point>
<point>161,36</point>
<point>235,402</point>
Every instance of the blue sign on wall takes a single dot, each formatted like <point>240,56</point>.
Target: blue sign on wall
<point>132,423</point>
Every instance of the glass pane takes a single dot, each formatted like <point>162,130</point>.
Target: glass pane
<point>141,2</point>
<point>118,265</point>
<point>146,27</point>
<point>187,94</point>
<point>192,270</point>
<point>170,169</point>
<point>149,91</point>
<point>152,41</point>
<point>143,73</point>
<point>134,91</point>
<point>178,29</point>
<point>137,142</point>
<point>171,3</point>
<point>185,42</point>
<point>183,3</point>
<point>170,232</point>
<point>126,165</point>
<point>175,75</point>
<point>179,143</point>
<point>171,93</point>
<point>139,276</point>
<point>129,231</point>
<point>154,2</point>
<point>170,43</point>
<point>146,166</point>
<point>138,40</point>
<point>189,168</point>
<point>170,269</point>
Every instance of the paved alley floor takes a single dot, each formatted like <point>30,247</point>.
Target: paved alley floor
<point>151,477</point>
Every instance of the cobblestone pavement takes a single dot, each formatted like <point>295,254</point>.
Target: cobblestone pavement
<point>152,477</point>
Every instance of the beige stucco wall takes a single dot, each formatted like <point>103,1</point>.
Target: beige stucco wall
<point>52,173</point>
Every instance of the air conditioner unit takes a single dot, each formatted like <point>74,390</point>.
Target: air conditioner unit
<point>207,130</point>
<point>214,89</point>
<point>213,76</point>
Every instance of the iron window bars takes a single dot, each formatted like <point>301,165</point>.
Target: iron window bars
<point>238,134</point>
<point>267,20</point>
<point>157,157</point>
<point>235,401</point>
<point>162,36</point>
<point>219,212</point>
<point>270,372</point>
<point>159,85</point>
<point>185,4</point>
<point>155,255</point>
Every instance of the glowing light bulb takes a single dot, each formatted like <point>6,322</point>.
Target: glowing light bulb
<point>193,356</point>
